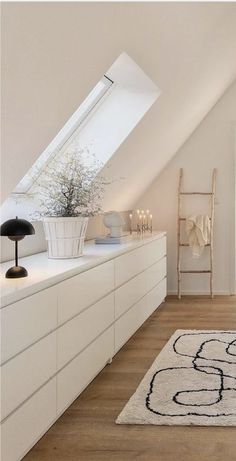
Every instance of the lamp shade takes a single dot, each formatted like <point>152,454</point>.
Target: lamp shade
<point>16,227</point>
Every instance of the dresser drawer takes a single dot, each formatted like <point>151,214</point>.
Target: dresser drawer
<point>25,373</point>
<point>81,330</point>
<point>79,373</point>
<point>126,326</point>
<point>24,322</point>
<point>24,427</point>
<point>129,293</point>
<point>156,250</point>
<point>156,273</point>
<point>155,298</point>
<point>130,264</point>
<point>136,261</point>
<point>133,290</point>
<point>128,323</point>
<point>84,289</point>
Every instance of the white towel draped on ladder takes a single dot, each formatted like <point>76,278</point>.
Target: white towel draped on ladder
<point>198,230</point>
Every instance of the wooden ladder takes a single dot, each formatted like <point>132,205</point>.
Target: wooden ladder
<point>211,194</point>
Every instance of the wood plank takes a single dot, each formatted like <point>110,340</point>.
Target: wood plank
<point>195,193</point>
<point>87,430</point>
<point>178,231</point>
<point>196,272</point>
<point>212,229</point>
<point>187,245</point>
<point>184,219</point>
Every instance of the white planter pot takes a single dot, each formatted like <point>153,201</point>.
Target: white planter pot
<point>65,236</point>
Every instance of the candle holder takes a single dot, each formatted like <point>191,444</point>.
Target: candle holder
<point>131,223</point>
<point>143,224</point>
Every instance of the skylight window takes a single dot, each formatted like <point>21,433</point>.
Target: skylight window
<point>66,133</point>
<point>101,123</point>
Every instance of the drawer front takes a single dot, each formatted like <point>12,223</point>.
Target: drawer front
<point>129,293</point>
<point>26,321</point>
<point>130,264</point>
<point>155,298</point>
<point>156,250</point>
<point>81,330</point>
<point>84,289</point>
<point>26,372</point>
<point>24,427</point>
<point>136,261</point>
<point>79,373</point>
<point>156,273</point>
<point>126,326</point>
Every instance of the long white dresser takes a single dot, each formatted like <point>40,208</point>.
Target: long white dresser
<point>61,325</point>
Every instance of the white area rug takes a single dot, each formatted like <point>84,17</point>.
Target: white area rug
<point>192,382</point>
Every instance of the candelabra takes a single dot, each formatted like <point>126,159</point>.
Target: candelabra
<point>143,222</point>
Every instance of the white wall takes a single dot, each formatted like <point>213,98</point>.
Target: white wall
<point>211,145</point>
<point>53,53</point>
<point>106,125</point>
<point>234,248</point>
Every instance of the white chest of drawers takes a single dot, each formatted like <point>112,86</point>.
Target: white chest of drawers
<point>60,328</point>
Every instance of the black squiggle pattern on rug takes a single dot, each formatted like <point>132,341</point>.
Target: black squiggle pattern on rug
<point>217,393</point>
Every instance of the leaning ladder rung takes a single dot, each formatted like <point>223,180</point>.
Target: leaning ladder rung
<point>187,245</point>
<point>196,272</point>
<point>196,193</point>
<point>184,219</point>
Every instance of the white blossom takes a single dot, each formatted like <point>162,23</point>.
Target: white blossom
<point>70,186</point>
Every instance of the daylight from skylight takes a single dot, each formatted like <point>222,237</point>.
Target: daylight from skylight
<point>65,134</point>
<point>99,126</point>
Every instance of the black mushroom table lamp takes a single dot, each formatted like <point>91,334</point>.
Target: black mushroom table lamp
<point>16,229</point>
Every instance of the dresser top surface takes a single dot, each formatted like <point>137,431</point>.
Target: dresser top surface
<point>44,272</point>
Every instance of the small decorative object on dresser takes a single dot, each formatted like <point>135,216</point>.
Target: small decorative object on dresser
<point>70,191</point>
<point>65,236</point>
<point>144,221</point>
<point>16,229</point>
<point>114,222</point>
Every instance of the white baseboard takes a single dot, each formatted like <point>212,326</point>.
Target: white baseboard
<point>199,293</point>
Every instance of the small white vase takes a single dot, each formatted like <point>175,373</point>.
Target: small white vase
<point>115,222</point>
<point>65,236</point>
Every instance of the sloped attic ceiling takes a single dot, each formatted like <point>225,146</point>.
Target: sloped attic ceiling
<point>54,53</point>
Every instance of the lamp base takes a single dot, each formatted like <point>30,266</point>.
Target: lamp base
<point>16,272</point>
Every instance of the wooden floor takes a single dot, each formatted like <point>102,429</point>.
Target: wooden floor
<point>87,431</point>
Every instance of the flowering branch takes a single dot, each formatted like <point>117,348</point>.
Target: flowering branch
<point>71,186</point>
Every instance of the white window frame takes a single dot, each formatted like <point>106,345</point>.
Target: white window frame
<point>79,117</point>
